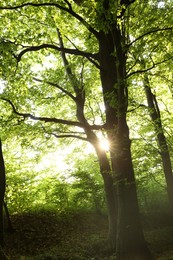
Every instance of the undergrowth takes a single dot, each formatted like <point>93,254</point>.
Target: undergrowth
<point>70,235</point>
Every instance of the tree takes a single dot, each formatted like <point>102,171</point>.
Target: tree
<point>2,193</point>
<point>153,59</point>
<point>104,38</point>
<point>162,142</point>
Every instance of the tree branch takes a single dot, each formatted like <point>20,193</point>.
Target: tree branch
<point>70,136</point>
<point>53,120</point>
<point>150,32</point>
<point>65,61</point>
<point>147,69</point>
<point>90,59</point>
<point>56,86</point>
<point>76,84</point>
<point>51,46</point>
<point>68,10</point>
<point>45,119</point>
<point>62,134</point>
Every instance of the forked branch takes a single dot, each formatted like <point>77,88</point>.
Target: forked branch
<point>44,119</point>
<point>52,119</point>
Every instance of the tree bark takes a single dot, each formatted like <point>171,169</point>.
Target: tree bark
<point>105,171</point>
<point>2,193</point>
<point>130,239</point>
<point>161,139</point>
<point>130,242</point>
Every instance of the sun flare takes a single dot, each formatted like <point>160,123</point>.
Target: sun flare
<point>104,144</point>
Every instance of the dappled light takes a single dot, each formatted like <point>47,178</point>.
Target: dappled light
<point>86,95</point>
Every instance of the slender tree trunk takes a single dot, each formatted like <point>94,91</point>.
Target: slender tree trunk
<point>161,139</point>
<point>110,196</point>
<point>2,193</point>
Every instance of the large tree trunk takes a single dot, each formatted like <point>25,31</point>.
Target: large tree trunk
<point>2,193</point>
<point>130,239</point>
<point>161,139</point>
<point>130,242</point>
<point>108,78</point>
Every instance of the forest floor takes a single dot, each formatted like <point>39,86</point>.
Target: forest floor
<point>47,235</point>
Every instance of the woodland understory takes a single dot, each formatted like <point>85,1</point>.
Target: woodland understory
<point>47,234</point>
<point>86,140</point>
